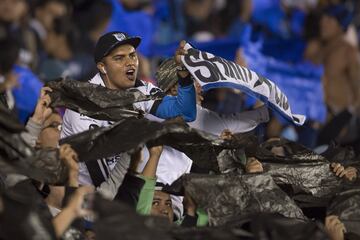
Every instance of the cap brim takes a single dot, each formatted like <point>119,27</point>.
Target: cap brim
<point>133,41</point>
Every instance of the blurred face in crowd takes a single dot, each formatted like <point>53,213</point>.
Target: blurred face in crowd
<point>119,68</point>
<point>162,206</point>
<point>47,13</point>
<point>329,28</point>
<point>12,10</point>
<point>50,133</point>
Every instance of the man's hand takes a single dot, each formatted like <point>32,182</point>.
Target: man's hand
<point>42,109</point>
<point>350,173</point>
<point>74,209</point>
<point>151,165</point>
<point>70,158</point>
<point>334,227</point>
<point>226,135</point>
<point>181,52</point>
<point>253,166</point>
<point>77,201</point>
<point>155,151</point>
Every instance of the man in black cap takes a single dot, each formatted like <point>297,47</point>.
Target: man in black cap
<point>117,62</point>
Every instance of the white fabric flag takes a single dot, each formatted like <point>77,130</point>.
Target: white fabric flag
<point>215,72</point>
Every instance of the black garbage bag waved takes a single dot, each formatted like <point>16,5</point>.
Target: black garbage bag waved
<point>13,149</point>
<point>12,145</point>
<point>52,169</point>
<point>9,122</point>
<point>94,100</point>
<point>130,134</point>
<point>293,152</point>
<point>299,170</point>
<point>25,214</point>
<point>273,226</point>
<point>346,205</point>
<point>226,196</point>
<point>44,166</point>
<point>16,156</point>
<point>118,221</point>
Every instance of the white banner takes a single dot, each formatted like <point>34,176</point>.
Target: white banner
<point>215,72</point>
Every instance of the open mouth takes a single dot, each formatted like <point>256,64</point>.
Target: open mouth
<point>130,74</point>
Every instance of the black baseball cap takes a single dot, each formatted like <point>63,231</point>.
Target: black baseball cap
<point>110,41</point>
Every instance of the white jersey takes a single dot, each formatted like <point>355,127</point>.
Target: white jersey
<point>173,163</point>
<point>74,123</point>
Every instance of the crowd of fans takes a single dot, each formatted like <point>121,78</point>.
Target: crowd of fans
<point>262,177</point>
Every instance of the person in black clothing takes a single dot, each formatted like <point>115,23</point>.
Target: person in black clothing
<point>9,52</point>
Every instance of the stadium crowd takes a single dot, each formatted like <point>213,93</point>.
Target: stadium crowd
<point>107,132</point>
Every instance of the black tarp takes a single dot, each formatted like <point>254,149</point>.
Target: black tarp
<point>52,169</point>
<point>94,100</point>
<point>300,171</point>
<point>16,156</point>
<point>229,195</point>
<point>118,221</point>
<point>25,214</point>
<point>132,133</point>
<point>346,205</point>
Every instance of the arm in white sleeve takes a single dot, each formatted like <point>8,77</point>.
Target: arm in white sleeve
<point>109,188</point>
<point>33,132</point>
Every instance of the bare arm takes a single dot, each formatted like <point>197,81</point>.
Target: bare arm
<point>354,74</point>
<point>151,165</point>
<point>72,211</point>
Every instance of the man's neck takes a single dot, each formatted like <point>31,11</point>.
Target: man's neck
<point>108,84</point>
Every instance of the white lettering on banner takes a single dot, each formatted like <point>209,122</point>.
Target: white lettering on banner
<point>210,69</point>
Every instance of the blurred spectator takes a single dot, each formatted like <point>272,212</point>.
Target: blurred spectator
<point>235,19</point>
<point>14,21</point>
<point>341,61</point>
<point>45,11</point>
<point>199,19</point>
<point>9,52</point>
<point>63,58</point>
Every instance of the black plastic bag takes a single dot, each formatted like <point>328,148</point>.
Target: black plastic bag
<point>119,221</point>
<point>229,195</point>
<point>293,152</point>
<point>130,134</point>
<point>25,215</point>
<point>299,170</point>
<point>346,205</point>
<point>50,168</point>
<point>94,100</point>
<point>9,122</point>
